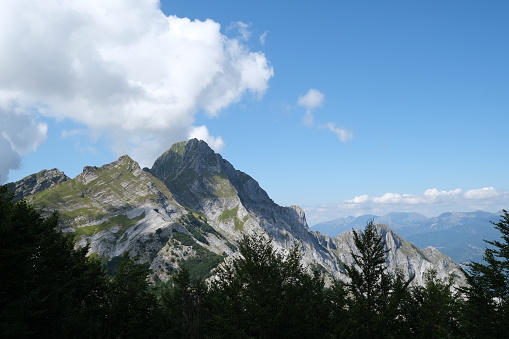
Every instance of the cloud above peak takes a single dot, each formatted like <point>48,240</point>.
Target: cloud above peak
<point>123,69</point>
<point>202,133</point>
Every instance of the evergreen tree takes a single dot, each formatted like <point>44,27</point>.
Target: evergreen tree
<point>265,293</point>
<point>375,296</point>
<point>369,283</point>
<point>47,289</point>
<point>134,311</point>
<point>184,305</point>
<point>487,310</point>
<point>396,310</point>
<point>339,315</point>
<point>435,309</point>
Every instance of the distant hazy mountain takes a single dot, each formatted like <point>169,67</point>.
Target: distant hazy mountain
<point>397,221</point>
<point>457,234</point>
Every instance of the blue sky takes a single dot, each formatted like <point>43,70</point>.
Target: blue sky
<point>341,107</point>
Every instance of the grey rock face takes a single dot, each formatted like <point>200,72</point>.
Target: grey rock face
<point>402,256</point>
<point>231,200</point>
<point>193,203</point>
<point>212,186</point>
<point>458,234</point>
<point>36,183</point>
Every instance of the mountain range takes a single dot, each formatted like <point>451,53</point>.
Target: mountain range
<point>191,208</point>
<point>457,234</point>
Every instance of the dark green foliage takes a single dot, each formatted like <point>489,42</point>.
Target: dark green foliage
<point>133,309</point>
<point>112,265</point>
<point>367,275</point>
<point>184,306</point>
<point>264,293</point>
<point>396,311</point>
<point>201,267</point>
<point>184,239</point>
<point>46,288</point>
<point>487,310</point>
<point>435,309</point>
<point>374,296</point>
<point>49,289</point>
<point>339,321</point>
<point>197,226</point>
<point>375,304</point>
<point>494,274</point>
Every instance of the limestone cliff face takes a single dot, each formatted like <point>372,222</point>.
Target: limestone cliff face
<point>232,201</point>
<point>114,208</point>
<point>194,205</point>
<point>36,183</point>
<point>402,256</point>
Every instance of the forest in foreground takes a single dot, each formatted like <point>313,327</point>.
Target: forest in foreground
<point>50,289</point>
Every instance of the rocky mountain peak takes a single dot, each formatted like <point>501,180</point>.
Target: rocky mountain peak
<point>36,183</point>
<point>196,146</point>
<point>126,163</point>
<point>194,205</point>
<point>202,180</point>
<point>402,256</point>
<point>121,165</point>
<point>198,177</point>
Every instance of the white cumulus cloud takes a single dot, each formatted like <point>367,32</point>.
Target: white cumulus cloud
<point>482,193</point>
<point>312,99</point>
<point>430,196</point>
<point>453,200</point>
<point>202,133</point>
<point>122,68</point>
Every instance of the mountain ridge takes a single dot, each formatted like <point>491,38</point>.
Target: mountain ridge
<point>192,207</point>
<point>458,234</point>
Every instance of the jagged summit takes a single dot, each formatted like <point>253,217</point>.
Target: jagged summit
<point>401,256</point>
<point>191,208</point>
<point>193,154</point>
<point>36,183</point>
<point>200,177</point>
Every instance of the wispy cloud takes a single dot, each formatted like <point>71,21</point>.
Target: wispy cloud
<point>311,100</point>
<point>343,134</point>
<point>69,133</point>
<point>263,37</point>
<point>123,69</point>
<point>86,149</point>
<point>241,29</point>
<point>314,99</point>
<point>431,202</point>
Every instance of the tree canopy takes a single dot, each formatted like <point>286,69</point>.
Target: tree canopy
<point>49,288</point>
<point>487,309</point>
<point>267,293</point>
